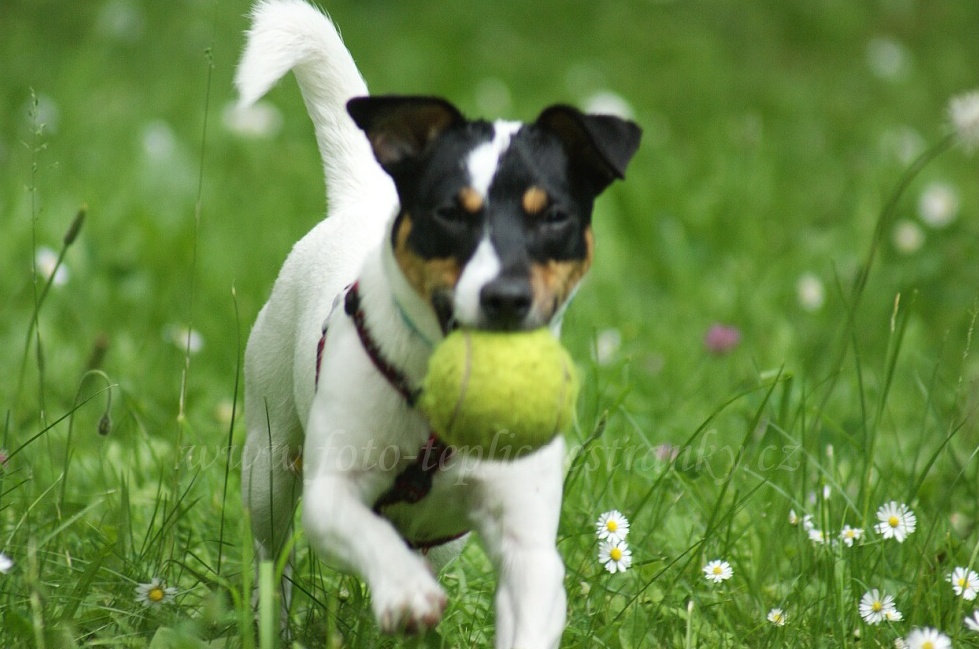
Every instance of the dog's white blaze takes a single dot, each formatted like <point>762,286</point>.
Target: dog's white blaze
<point>483,267</point>
<point>484,160</point>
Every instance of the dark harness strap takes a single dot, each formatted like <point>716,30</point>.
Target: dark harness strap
<point>319,356</point>
<point>415,480</point>
<point>395,377</point>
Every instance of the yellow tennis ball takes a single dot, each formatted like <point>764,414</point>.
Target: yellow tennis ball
<point>505,394</point>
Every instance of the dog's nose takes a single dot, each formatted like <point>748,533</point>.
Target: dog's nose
<point>506,301</point>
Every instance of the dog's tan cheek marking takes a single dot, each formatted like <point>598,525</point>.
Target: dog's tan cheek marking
<point>553,281</point>
<point>426,276</point>
<point>534,201</point>
<point>410,263</point>
<point>470,200</point>
<point>440,274</point>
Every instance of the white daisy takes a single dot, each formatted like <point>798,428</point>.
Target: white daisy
<point>155,593</point>
<point>615,555</point>
<point>258,120</point>
<point>607,344</point>
<point>888,58</point>
<point>6,563</point>
<point>964,582</point>
<point>818,537</point>
<point>896,521</point>
<point>793,518</point>
<point>874,606</point>
<point>907,237</point>
<point>807,523</point>
<point>44,111</point>
<point>718,571</point>
<point>159,141</point>
<point>184,338</point>
<point>928,638</point>
<point>893,615</point>
<point>850,534</point>
<point>776,616</point>
<point>938,204</point>
<point>903,143</point>
<point>972,622</point>
<point>963,111</point>
<point>612,525</point>
<point>46,261</point>
<point>810,292</point>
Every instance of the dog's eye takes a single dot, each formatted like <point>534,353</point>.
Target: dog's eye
<point>453,216</point>
<point>556,217</point>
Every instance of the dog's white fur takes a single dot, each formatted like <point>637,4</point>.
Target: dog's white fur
<point>356,433</point>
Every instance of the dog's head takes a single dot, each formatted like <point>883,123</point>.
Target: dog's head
<point>494,229</point>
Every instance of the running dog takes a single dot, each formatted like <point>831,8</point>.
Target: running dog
<point>434,221</point>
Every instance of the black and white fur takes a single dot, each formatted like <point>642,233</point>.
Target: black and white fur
<point>443,222</point>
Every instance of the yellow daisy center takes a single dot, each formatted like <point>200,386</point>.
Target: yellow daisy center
<point>876,607</point>
<point>615,554</point>
<point>718,570</point>
<point>927,644</point>
<point>611,526</point>
<point>155,594</point>
<point>893,521</point>
<point>963,582</point>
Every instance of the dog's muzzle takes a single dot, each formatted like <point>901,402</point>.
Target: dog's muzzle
<point>505,303</point>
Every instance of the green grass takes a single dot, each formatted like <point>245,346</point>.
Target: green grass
<point>769,153</point>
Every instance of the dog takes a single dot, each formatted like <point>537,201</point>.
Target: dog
<point>435,222</point>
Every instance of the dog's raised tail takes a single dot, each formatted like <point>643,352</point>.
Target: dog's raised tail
<point>292,35</point>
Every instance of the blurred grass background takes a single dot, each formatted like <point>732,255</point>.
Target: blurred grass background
<point>774,133</point>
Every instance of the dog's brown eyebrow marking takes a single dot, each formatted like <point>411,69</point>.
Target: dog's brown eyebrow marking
<point>534,200</point>
<point>470,200</point>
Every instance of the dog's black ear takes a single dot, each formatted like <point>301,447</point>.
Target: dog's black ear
<point>401,127</point>
<point>599,146</point>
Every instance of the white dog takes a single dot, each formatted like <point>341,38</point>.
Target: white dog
<point>434,222</point>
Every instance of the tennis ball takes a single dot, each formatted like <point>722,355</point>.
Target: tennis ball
<point>504,393</point>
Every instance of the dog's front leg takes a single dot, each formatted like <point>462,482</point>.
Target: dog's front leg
<point>530,600</point>
<point>517,519</point>
<point>345,532</point>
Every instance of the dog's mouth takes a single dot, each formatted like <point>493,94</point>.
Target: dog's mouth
<point>442,303</point>
<point>444,306</point>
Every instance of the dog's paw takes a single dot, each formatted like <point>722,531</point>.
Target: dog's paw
<point>409,602</point>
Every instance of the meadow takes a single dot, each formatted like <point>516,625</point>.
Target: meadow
<point>777,337</point>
